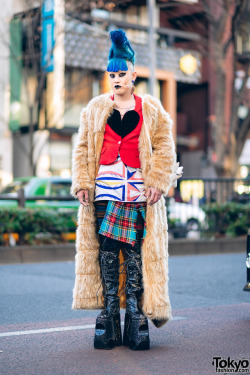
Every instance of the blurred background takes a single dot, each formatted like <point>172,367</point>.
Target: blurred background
<point>192,54</point>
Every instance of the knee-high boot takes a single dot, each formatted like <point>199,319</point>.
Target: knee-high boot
<point>136,333</point>
<point>108,325</point>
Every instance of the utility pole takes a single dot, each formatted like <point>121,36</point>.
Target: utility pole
<point>152,48</point>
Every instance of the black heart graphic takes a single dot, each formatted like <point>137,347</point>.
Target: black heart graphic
<point>123,126</point>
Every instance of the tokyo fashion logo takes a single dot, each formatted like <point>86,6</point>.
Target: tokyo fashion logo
<point>226,366</point>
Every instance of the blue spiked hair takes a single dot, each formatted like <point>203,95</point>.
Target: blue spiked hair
<point>120,52</point>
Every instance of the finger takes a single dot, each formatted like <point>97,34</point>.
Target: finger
<point>149,195</point>
<point>149,191</point>
<point>156,197</point>
<point>81,198</point>
<point>151,199</point>
<point>87,196</point>
<point>86,199</point>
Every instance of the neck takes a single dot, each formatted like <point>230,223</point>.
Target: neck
<point>123,98</point>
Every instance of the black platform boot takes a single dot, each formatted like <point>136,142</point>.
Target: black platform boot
<point>136,333</point>
<point>108,323</point>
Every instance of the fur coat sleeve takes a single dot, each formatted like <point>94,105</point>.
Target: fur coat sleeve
<point>80,176</point>
<point>163,157</point>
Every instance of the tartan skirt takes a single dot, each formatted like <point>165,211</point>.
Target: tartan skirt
<point>121,220</point>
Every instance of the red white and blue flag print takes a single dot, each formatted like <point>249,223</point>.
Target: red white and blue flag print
<point>119,182</point>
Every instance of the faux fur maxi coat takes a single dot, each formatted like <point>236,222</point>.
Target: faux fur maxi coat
<point>157,156</point>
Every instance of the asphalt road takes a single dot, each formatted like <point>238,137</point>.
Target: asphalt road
<point>41,335</point>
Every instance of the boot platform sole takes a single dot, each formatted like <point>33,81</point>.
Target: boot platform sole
<point>111,344</point>
<point>143,345</point>
<point>136,334</point>
<point>107,333</point>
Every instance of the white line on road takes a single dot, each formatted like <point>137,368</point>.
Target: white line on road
<point>46,330</point>
<point>60,329</point>
<point>178,318</point>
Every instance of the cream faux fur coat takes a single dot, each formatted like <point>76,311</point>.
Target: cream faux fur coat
<point>157,156</point>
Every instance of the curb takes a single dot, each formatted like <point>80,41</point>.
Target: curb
<point>66,252</point>
<point>210,246</point>
<point>36,254</point>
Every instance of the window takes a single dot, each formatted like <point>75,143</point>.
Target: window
<point>61,189</point>
<point>14,187</point>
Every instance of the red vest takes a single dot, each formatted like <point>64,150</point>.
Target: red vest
<point>127,146</point>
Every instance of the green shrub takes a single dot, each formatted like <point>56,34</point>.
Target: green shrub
<point>232,219</point>
<point>35,221</point>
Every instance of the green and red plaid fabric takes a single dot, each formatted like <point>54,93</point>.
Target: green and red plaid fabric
<point>122,220</point>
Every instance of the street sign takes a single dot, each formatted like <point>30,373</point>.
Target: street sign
<point>48,37</point>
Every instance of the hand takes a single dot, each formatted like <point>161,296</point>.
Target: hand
<point>153,195</point>
<point>83,196</point>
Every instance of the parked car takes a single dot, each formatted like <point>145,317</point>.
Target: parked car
<point>193,217</point>
<point>39,186</point>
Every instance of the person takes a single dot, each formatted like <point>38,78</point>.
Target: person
<point>122,168</point>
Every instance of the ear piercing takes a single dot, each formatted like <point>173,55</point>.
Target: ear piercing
<point>133,82</point>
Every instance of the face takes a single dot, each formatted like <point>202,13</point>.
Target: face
<point>121,81</point>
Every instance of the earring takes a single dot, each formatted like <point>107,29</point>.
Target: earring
<point>133,82</point>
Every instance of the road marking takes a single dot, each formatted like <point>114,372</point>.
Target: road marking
<point>46,330</point>
<point>60,329</point>
<point>178,318</point>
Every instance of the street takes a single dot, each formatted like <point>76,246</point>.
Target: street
<point>40,334</point>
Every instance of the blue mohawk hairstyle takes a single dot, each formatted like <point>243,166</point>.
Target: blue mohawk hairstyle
<point>120,52</point>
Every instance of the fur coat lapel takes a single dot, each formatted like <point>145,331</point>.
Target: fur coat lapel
<point>157,156</point>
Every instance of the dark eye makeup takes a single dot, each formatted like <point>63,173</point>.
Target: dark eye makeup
<point>120,75</point>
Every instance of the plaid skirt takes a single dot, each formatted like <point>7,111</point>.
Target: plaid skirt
<point>121,220</point>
